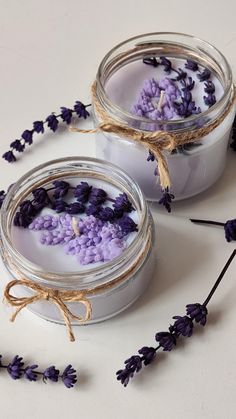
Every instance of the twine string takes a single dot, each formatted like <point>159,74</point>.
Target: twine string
<point>156,141</point>
<point>60,298</point>
<point>55,296</point>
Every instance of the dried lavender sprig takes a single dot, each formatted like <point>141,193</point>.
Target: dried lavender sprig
<point>183,326</point>
<point>233,143</point>
<point>229,227</point>
<point>166,199</point>
<point>17,369</point>
<point>84,193</point>
<point>52,122</point>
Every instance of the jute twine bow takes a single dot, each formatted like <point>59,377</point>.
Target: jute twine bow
<point>157,141</point>
<point>59,298</point>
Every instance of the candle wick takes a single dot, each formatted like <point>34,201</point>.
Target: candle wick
<point>74,225</point>
<point>161,100</point>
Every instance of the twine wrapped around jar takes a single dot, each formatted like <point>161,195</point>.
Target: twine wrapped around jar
<point>156,141</point>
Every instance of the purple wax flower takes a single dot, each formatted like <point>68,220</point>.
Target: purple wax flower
<point>80,110</point>
<point>38,127</point>
<point>66,114</point>
<point>30,374</point>
<point>46,222</point>
<point>230,230</point>
<point>183,326</point>
<point>52,122</point>
<point>197,312</point>
<point>97,196</point>
<point>18,146</point>
<point>69,377</point>
<point>191,65</point>
<point>122,203</point>
<point>166,340</point>
<point>82,192</point>
<point>148,353</point>
<point>15,368</point>
<point>61,188</point>
<point>9,156</point>
<point>157,100</point>
<point>55,237</point>
<point>51,374</point>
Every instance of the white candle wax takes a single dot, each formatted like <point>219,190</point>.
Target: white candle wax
<point>26,258</point>
<point>53,257</point>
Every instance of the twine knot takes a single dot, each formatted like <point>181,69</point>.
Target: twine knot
<point>59,298</point>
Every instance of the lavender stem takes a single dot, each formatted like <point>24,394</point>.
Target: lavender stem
<point>220,277</point>
<point>193,220</point>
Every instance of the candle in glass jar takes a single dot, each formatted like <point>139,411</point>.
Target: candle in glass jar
<point>143,84</point>
<point>81,225</point>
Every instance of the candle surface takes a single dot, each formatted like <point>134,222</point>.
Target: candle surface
<point>152,92</point>
<point>37,245</point>
<point>135,78</point>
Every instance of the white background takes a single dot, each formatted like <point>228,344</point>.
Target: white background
<point>49,51</point>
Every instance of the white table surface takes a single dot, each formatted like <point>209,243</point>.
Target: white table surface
<point>50,50</point>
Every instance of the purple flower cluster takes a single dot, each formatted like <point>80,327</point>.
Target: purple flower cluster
<point>166,199</point>
<point>233,143</point>
<point>52,121</point>
<point>230,230</point>
<point>17,369</point>
<point>157,100</point>
<point>167,340</point>
<point>90,239</point>
<point>84,194</point>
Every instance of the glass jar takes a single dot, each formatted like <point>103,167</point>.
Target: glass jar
<point>110,287</point>
<point>192,170</point>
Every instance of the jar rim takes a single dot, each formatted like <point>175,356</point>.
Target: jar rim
<point>228,88</point>
<point>71,278</point>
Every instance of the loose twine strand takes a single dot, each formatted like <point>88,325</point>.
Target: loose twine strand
<point>157,141</point>
<point>59,298</point>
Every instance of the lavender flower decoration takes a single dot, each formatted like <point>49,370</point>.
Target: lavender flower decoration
<point>69,377</point>
<point>166,199</point>
<point>2,197</point>
<point>229,227</point>
<point>182,327</point>
<point>17,370</point>
<point>52,121</point>
<point>233,143</point>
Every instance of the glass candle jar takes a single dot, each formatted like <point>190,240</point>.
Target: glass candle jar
<point>120,77</point>
<point>110,286</point>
